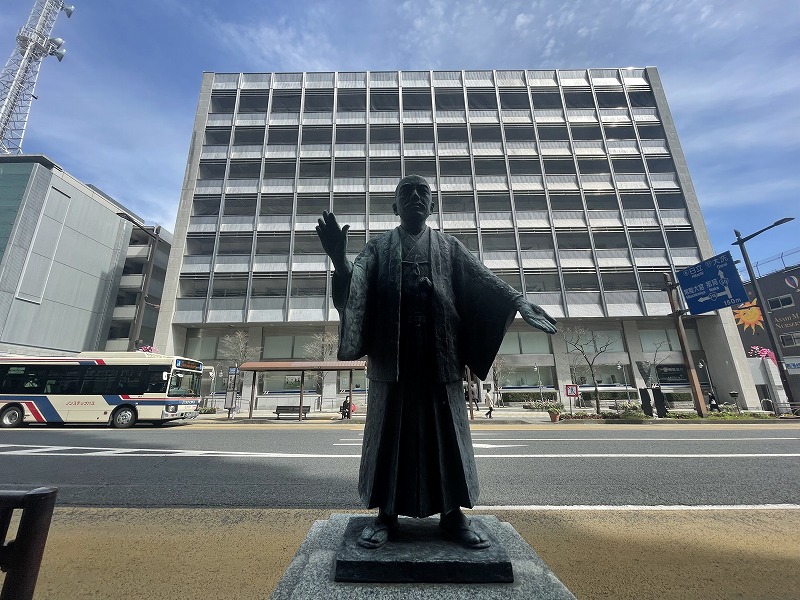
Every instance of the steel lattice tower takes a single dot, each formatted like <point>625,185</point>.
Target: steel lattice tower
<point>19,75</point>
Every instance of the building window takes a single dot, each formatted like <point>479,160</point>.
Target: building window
<point>790,339</point>
<point>247,136</point>
<point>318,102</point>
<point>780,302</point>
<point>659,340</point>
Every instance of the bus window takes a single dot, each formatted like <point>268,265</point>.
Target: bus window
<point>64,379</point>
<point>184,384</point>
<point>99,380</point>
<point>132,380</point>
<point>157,379</point>
<point>23,380</point>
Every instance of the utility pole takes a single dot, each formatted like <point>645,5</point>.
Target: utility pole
<point>18,79</point>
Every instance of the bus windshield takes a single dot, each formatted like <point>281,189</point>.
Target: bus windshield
<point>184,383</point>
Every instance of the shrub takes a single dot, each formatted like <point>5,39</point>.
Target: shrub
<point>683,415</point>
<point>528,397</point>
<point>580,415</point>
<point>207,410</point>
<point>631,410</point>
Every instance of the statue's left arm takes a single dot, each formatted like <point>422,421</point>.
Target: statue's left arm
<point>533,314</point>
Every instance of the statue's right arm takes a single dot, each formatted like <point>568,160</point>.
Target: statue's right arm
<point>334,242</point>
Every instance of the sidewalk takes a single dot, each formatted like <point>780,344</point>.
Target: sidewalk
<point>500,416</point>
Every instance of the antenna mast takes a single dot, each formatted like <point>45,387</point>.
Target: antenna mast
<point>18,79</point>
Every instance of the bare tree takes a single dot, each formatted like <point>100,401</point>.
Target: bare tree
<point>322,347</point>
<point>589,346</point>
<point>501,370</point>
<point>237,349</point>
<point>649,368</point>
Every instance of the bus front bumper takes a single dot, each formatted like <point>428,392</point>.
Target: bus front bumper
<point>189,414</point>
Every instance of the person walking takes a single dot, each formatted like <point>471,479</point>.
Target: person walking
<point>489,404</point>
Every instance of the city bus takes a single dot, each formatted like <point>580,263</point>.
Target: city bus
<point>114,388</point>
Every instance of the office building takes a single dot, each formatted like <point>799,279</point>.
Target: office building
<point>779,285</point>
<point>571,185</point>
<point>64,250</point>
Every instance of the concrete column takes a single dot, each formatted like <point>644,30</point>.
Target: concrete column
<point>561,357</point>
<point>633,343</point>
<point>726,359</point>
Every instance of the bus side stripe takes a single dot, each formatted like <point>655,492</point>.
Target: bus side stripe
<point>34,411</point>
<point>42,404</point>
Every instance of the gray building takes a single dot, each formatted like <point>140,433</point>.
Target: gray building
<point>135,314</point>
<point>570,185</point>
<point>64,249</point>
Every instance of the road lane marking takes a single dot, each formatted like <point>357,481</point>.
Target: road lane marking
<point>487,446</point>
<point>566,439</point>
<point>78,451</point>
<point>641,507</point>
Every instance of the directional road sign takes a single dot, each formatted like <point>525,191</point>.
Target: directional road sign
<point>712,284</point>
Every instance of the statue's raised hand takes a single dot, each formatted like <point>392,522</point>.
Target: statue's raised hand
<point>536,316</point>
<point>333,238</point>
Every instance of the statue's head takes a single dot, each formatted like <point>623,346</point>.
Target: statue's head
<point>413,201</point>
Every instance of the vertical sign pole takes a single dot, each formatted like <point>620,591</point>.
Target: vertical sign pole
<point>694,383</point>
<point>302,382</point>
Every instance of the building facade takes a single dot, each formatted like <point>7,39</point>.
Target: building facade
<point>780,290</point>
<point>570,185</point>
<point>64,248</point>
<point>135,314</point>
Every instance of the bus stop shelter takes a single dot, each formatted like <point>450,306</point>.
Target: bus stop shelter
<point>302,367</point>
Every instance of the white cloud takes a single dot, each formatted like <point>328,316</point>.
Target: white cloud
<point>522,21</point>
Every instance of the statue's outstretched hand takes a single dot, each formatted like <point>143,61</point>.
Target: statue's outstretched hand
<point>535,316</point>
<point>333,238</point>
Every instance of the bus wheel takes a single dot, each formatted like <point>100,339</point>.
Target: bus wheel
<point>123,417</point>
<point>11,416</point>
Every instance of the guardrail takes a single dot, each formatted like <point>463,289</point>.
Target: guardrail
<point>21,557</point>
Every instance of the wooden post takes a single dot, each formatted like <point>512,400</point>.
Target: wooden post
<point>252,396</point>
<point>694,383</point>
<point>302,381</point>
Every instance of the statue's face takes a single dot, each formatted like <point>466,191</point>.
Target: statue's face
<point>413,202</point>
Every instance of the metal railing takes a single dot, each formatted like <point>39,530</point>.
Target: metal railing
<point>21,557</point>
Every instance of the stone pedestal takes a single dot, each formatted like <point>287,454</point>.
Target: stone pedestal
<point>407,568</point>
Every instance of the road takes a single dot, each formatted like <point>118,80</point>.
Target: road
<point>217,511</point>
<point>317,466</point>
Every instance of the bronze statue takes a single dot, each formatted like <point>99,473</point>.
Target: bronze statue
<point>421,307</point>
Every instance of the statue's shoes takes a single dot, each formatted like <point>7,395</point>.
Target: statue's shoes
<point>465,535</point>
<point>376,534</point>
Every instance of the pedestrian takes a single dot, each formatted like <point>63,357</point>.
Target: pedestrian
<point>712,402</point>
<point>345,408</point>
<point>490,404</point>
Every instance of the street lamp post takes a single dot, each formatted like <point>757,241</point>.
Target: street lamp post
<point>773,338</point>
<point>541,396</point>
<point>625,378</point>
<point>136,331</point>
<point>701,364</point>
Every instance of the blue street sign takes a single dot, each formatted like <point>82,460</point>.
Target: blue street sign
<point>712,284</point>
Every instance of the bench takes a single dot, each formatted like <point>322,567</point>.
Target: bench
<point>291,410</point>
<point>21,558</point>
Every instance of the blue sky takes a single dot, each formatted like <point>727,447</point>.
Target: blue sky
<point>118,111</point>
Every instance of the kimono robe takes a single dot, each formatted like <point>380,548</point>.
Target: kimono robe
<point>420,312</point>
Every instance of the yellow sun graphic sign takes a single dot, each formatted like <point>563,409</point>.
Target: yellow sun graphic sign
<point>749,315</point>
